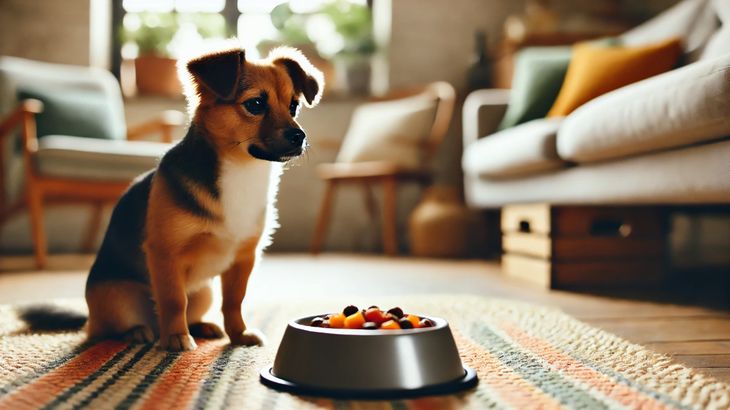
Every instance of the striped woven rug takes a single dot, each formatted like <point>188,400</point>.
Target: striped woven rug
<point>525,356</point>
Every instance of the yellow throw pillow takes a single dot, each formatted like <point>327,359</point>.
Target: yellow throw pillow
<point>596,70</point>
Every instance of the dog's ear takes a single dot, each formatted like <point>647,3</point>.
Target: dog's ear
<point>307,79</point>
<point>219,72</point>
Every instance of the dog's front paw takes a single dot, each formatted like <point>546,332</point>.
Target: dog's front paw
<point>139,334</point>
<point>178,343</point>
<point>251,337</point>
<point>205,330</point>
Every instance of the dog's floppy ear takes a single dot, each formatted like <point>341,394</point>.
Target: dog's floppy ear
<point>307,79</point>
<point>219,72</point>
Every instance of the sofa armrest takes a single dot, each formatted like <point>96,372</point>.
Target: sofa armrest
<point>483,110</point>
<point>682,107</point>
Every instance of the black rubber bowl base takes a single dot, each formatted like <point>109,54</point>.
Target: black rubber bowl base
<point>467,382</point>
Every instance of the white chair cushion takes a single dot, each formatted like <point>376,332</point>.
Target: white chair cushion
<point>391,131</point>
<point>89,158</point>
<point>677,108</point>
<point>524,149</point>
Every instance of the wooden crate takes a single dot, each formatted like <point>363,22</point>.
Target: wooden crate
<point>574,246</point>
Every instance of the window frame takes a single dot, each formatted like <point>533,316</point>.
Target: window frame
<point>230,14</point>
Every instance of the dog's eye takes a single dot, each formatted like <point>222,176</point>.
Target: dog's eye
<point>255,106</point>
<point>294,108</point>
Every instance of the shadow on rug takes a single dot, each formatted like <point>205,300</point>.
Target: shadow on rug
<point>525,356</point>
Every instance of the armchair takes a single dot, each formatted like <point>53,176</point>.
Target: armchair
<point>73,145</point>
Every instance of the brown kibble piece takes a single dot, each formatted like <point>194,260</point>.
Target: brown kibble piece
<point>405,323</point>
<point>350,310</point>
<point>397,312</point>
<point>426,323</point>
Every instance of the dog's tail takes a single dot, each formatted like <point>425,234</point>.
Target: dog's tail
<point>49,318</point>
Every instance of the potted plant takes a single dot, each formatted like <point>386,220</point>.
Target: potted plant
<point>155,69</point>
<point>158,38</point>
<point>353,22</point>
<point>338,30</point>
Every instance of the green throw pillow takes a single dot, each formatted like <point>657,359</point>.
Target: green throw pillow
<point>538,76</point>
<point>76,112</point>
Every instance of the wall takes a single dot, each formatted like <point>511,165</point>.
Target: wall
<point>46,30</point>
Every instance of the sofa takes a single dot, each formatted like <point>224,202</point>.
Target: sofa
<point>663,140</point>
<point>590,199</point>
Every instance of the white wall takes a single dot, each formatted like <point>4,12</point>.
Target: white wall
<point>57,31</point>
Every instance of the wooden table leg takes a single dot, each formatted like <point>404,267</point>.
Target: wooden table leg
<point>390,228</point>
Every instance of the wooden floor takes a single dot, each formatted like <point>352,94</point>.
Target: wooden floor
<point>678,325</point>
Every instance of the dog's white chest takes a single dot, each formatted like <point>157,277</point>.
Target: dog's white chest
<point>246,190</point>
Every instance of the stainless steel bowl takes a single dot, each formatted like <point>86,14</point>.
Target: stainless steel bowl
<point>368,363</point>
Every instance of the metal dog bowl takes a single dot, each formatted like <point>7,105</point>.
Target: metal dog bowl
<point>371,364</point>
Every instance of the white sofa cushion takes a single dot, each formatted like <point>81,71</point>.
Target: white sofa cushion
<point>719,43</point>
<point>690,175</point>
<point>678,108</point>
<point>693,21</point>
<point>524,149</point>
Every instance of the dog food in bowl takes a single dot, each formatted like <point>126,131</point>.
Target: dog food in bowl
<point>372,318</point>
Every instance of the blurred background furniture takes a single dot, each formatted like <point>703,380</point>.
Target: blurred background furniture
<point>662,142</point>
<point>390,140</point>
<point>73,144</point>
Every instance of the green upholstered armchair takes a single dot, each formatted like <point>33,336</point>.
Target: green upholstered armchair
<point>73,144</point>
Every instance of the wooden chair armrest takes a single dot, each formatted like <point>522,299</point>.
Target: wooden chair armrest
<point>24,116</point>
<point>164,124</point>
<point>15,117</point>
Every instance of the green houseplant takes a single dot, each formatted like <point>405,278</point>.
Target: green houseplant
<point>155,70</point>
<point>154,35</point>
<point>339,30</point>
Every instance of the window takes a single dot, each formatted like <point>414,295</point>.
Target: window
<point>162,26</point>
<point>321,28</point>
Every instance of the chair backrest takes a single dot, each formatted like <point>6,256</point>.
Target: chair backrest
<point>445,96</point>
<point>75,99</point>
<point>79,100</point>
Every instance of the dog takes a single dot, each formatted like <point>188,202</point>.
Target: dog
<point>208,207</point>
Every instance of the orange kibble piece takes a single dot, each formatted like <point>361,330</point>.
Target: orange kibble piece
<point>355,321</point>
<point>414,320</point>
<point>390,325</point>
<point>337,321</point>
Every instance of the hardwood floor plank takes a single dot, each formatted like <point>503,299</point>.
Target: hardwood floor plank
<point>667,330</point>
<point>722,375</point>
<point>688,348</point>
<point>717,361</point>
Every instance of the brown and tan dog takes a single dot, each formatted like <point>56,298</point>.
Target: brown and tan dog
<point>207,209</point>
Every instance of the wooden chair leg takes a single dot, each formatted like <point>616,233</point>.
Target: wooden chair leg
<point>38,231</point>
<point>325,212</point>
<point>370,205</point>
<point>390,228</point>
<point>92,228</point>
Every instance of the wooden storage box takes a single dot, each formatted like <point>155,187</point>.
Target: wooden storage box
<point>574,246</point>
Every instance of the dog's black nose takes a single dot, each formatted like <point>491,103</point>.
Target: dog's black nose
<point>295,136</point>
